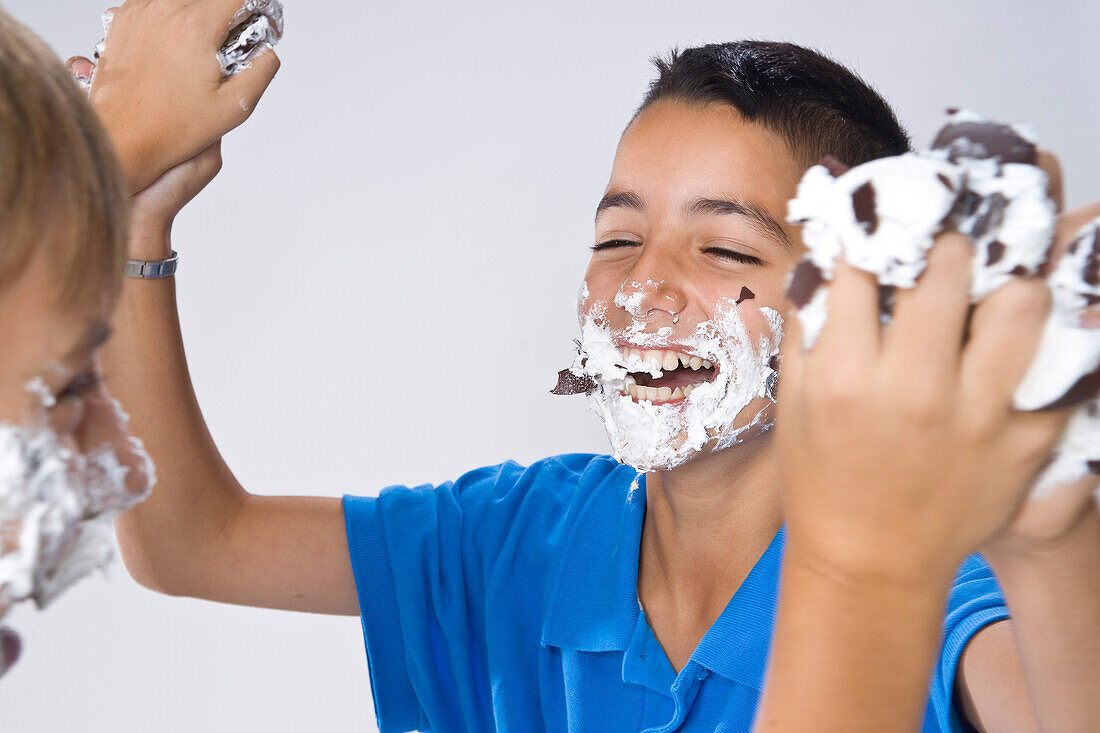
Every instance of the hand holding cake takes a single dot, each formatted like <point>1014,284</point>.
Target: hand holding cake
<point>981,179</point>
<point>220,65</point>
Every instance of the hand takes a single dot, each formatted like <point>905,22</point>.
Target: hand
<point>1040,523</point>
<point>159,89</point>
<point>900,450</point>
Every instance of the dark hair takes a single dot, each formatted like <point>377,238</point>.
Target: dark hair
<point>816,105</point>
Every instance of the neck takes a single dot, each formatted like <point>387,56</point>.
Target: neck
<point>706,524</point>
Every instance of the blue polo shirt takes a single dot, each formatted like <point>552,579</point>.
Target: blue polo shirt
<point>507,601</point>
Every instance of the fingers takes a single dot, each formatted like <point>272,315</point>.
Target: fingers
<point>81,67</point>
<point>1005,331</point>
<point>246,87</point>
<point>1067,227</point>
<point>929,320</point>
<point>852,331</point>
<point>220,16</point>
<point>108,16</point>
<point>1048,161</point>
<point>10,649</point>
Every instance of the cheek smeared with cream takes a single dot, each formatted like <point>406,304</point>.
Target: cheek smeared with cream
<point>650,434</point>
<point>57,506</point>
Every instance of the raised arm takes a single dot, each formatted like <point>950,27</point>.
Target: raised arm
<point>200,534</point>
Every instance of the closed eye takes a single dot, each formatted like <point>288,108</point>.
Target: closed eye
<point>733,255</point>
<point>81,386</point>
<point>614,243</point>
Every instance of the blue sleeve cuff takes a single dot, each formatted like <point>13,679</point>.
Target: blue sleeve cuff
<point>395,703</point>
<point>953,646</point>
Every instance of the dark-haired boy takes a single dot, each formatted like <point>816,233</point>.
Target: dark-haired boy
<point>575,595</point>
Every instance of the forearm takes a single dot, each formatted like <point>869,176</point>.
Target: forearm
<point>850,655</point>
<point>1054,596</point>
<point>194,503</point>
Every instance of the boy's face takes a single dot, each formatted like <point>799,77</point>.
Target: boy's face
<point>52,402</point>
<point>693,215</point>
<point>48,362</point>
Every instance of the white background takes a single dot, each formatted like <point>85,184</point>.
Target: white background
<point>379,286</point>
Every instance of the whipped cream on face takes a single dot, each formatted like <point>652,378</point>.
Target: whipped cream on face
<point>646,431</point>
<point>57,508</point>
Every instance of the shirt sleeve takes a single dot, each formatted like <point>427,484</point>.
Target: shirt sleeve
<point>975,601</point>
<point>421,557</point>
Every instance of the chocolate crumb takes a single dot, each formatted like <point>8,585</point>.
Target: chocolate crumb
<point>834,166</point>
<point>570,383</point>
<point>984,140</point>
<point>1020,271</point>
<point>772,384</point>
<point>1092,262</point>
<point>1093,466</point>
<point>996,253</point>
<point>887,295</point>
<point>969,204</point>
<point>992,214</point>
<point>863,203</point>
<point>1085,389</point>
<point>805,280</point>
<point>946,182</point>
<point>746,294</point>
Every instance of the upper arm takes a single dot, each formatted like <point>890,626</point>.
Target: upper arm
<point>990,686</point>
<point>282,552</point>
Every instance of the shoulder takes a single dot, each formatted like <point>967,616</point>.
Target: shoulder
<point>505,493</point>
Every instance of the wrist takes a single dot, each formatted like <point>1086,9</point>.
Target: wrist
<point>150,240</point>
<point>886,563</point>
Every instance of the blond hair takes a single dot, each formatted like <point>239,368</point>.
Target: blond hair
<point>62,192</point>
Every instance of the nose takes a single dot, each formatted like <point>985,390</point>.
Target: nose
<point>651,288</point>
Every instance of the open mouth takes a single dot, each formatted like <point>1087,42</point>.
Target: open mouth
<point>679,374</point>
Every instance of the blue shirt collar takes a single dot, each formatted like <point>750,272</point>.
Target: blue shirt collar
<point>592,604</point>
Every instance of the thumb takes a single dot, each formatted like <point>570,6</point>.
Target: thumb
<point>247,86</point>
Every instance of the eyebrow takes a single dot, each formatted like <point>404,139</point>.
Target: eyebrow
<point>757,216</point>
<point>96,335</point>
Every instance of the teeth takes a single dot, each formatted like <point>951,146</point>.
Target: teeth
<point>654,357</point>
<point>671,361</point>
<point>696,362</point>
<point>659,394</point>
<point>707,364</point>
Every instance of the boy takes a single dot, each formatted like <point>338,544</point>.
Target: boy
<point>574,594</point>
<point>64,212</point>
